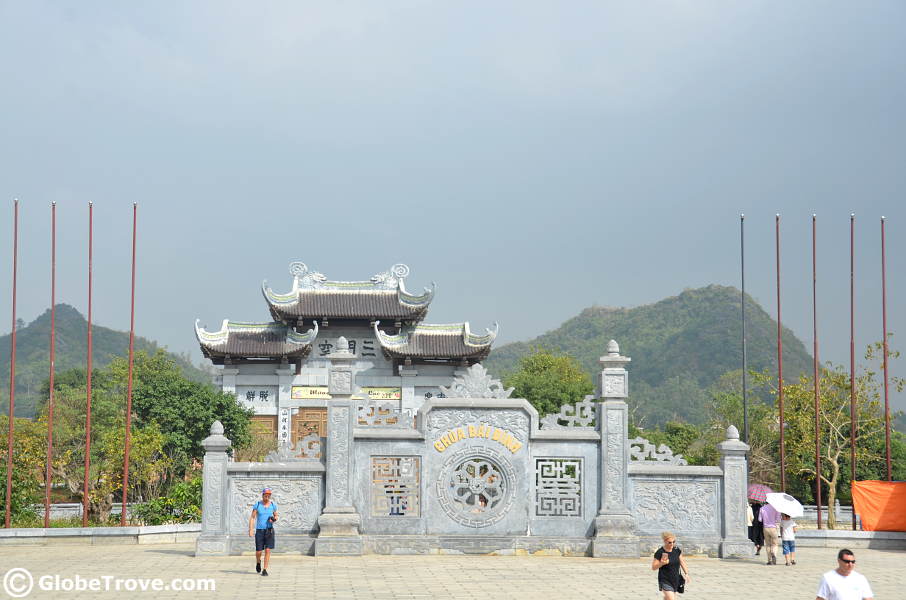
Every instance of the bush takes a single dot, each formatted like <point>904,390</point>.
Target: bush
<point>182,504</point>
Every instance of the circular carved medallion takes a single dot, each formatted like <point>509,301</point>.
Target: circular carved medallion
<point>475,487</point>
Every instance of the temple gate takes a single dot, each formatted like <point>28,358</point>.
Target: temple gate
<point>476,471</point>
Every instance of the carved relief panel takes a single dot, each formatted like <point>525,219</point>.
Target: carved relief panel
<point>298,502</point>
<point>676,506</point>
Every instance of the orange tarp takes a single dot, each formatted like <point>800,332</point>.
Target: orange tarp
<point>881,504</point>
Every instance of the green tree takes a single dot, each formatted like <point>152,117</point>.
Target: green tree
<point>725,408</point>
<point>548,381</point>
<point>171,416</point>
<point>29,454</point>
<point>834,423</point>
<point>183,409</point>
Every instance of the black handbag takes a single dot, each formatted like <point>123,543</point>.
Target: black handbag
<point>681,588</point>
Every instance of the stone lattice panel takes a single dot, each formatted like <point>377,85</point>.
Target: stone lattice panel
<point>395,486</point>
<point>475,487</point>
<point>558,487</point>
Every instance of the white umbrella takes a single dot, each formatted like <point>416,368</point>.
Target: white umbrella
<point>786,504</point>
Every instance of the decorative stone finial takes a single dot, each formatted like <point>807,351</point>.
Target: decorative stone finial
<point>342,345</point>
<point>477,383</point>
<point>216,442</point>
<point>732,433</point>
<point>613,348</point>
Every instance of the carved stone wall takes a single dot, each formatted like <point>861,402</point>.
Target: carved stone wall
<point>298,502</point>
<point>678,505</point>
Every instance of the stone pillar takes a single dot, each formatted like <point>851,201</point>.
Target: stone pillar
<point>615,527</point>
<point>339,522</point>
<point>214,538</point>
<point>735,540</point>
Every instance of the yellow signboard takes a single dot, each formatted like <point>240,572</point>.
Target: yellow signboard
<point>383,393</point>
<point>309,392</point>
<point>319,392</point>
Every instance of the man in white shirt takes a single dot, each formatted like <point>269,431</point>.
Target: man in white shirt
<point>843,583</point>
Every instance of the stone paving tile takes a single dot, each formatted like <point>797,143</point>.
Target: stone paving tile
<point>416,577</point>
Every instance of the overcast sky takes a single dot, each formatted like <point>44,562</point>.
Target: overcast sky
<point>531,158</point>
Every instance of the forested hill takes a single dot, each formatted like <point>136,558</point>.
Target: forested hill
<point>33,354</point>
<point>679,347</point>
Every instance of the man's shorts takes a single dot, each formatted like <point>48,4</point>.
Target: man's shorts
<point>789,546</point>
<point>264,538</point>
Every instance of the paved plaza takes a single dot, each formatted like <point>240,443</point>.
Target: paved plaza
<point>523,577</point>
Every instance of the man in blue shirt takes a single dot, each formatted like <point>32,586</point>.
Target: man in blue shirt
<point>261,527</point>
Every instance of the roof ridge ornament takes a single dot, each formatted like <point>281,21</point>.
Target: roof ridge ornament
<point>392,278</point>
<point>476,383</point>
<point>302,277</point>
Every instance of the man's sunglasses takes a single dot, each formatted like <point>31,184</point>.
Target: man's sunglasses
<point>849,562</point>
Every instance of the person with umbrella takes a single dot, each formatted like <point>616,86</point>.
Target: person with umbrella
<point>788,529</point>
<point>756,534</point>
<point>788,507</point>
<point>770,522</point>
<point>757,494</point>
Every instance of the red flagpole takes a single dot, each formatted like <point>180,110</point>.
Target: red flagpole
<point>852,354</point>
<point>886,384</point>
<point>88,384</point>
<point>48,467</point>
<point>780,364</point>
<point>817,381</point>
<point>129,383</point>
<point>12,373</point>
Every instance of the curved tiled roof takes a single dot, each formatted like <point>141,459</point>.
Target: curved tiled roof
<point>431,341</point>
<point>313,297</point>
<point>255,340</point>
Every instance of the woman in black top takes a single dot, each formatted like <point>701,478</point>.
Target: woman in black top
<point>668,561</point>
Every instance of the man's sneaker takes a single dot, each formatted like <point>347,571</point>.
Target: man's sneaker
<point>264,573</point>
<point>257,567</point>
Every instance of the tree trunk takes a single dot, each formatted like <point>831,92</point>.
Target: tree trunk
<point>101,508</point>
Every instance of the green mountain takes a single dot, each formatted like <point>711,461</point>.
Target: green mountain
<point>33,354</point>
<point>679,347</point>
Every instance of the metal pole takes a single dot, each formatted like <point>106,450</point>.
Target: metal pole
<point>48,467</point>
<point>88,373</point>
<point>780,365</point>
<point>12,373</point>
<point>129,382</point>
<point>852,354</point>
<point>745,366</point>
<point>815,363</point>
<point>886,384</point>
